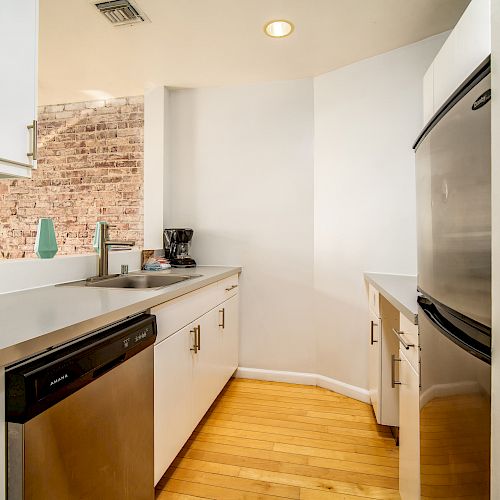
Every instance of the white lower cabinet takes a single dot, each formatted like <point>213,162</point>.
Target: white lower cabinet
<point>409,431</point>
<point>191,368</point>
<point>229,330</point>
<point>173,397</point>
<point>207,365</point>
<point>375,364</point>
<point>383,345</point>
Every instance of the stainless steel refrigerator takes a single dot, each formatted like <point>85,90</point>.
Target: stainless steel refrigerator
<point>453,171</point>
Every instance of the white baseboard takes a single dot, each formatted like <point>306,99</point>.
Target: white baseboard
<point>305,378</point>
<point>276,376</point>
<point>349,390</point>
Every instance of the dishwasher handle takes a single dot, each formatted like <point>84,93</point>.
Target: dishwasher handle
<point>108,366</point>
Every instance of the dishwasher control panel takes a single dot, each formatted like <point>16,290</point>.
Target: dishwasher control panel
<point>36,384</point>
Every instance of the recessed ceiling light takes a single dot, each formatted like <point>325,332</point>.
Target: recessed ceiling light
<point>279,28</point>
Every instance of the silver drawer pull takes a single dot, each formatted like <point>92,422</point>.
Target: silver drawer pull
<point>231,288</point>
<point>399,335</point>
<point>195,341</point>
<point>394,382</point>
<point>33,154</point>
<point>222,324</point>
<point>372,340</point>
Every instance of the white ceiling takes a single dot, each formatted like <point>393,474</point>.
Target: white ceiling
<point>193,43</point>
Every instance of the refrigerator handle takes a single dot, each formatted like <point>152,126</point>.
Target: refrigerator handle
<point>449,330</point>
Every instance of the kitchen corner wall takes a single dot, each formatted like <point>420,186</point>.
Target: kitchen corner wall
<point>306,184</point>
<point>367,117</point>
<point>90,168</point>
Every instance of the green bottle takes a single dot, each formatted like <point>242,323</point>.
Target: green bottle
<point>46,243</point>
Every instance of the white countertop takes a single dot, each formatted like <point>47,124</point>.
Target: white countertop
<point>34,320</point>
<point>400,290</point>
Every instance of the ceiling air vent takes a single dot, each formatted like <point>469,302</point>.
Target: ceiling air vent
<point>121,12</point>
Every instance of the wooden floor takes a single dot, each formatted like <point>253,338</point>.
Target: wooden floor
<point>267,440</point>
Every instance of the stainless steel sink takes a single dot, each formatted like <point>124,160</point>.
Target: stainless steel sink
<point>138,281</point>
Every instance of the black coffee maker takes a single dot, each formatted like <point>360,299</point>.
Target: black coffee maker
<point>177,243</point>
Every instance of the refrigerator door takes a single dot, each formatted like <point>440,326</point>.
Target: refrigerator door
<point>453,170</point>
<point>454,408</point>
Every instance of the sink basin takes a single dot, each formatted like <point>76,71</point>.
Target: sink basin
<point>138,281</point>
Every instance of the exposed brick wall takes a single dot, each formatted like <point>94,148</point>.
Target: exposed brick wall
<point>90,168</point>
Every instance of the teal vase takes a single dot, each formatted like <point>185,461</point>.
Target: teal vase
<point>46,243</point>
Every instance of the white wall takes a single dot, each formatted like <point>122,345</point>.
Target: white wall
<point>242,177</point>
<point>495,200</point>
<point>156,167</point>
<point>367,116</point>
<point>306,185</point>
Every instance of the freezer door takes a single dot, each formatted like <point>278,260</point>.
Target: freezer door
<point>454,412</point>
<point>453,169</point>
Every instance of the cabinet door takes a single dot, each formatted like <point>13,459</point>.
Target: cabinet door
<point>409,440</point>
<point>465,48</point>
<point>207,366</point>
<point>229,330</point>
<point>375,363</point>
<point>18,85</point>
<point>173,413</point>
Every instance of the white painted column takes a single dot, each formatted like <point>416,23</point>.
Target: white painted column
<point>495,284</point>
<point>156,103</point>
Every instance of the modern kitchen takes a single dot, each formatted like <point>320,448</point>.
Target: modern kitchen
<point>249,249</point>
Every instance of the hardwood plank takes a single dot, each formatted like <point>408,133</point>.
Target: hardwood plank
<point>354,467</point>
<point>318,400</point>
<point>196,457</point>
<point>203,466</point>
<point>247,452</point>
<point>252,485</point>
<point>301,408</point>
<point>317,394</point>
<point>320,484</point>
<point>271,440</point>
<point>379,442</point>
<point>296,389</point>
<point>237,441</point>
<point>296,403</point>
<point>346,422</point>
<point>214,492</point>
<point>310,392</point>
<point>291,424</point>
<point>315,442</point>
<point>306,494</point>
<point>169,495</point>
<point>356,458</point>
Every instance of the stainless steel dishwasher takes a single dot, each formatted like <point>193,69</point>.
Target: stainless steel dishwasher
<point>80,418</point>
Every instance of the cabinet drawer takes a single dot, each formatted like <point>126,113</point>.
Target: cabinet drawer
<point>409,430</point>
<point>175,314</point>
<point>408,334</point>
<point>373,300</point>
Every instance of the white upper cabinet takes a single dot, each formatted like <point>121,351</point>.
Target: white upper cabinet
<point>465,48</point>
<point>18,87</point>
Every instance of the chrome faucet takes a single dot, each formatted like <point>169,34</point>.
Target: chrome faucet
<point>104,244</point>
